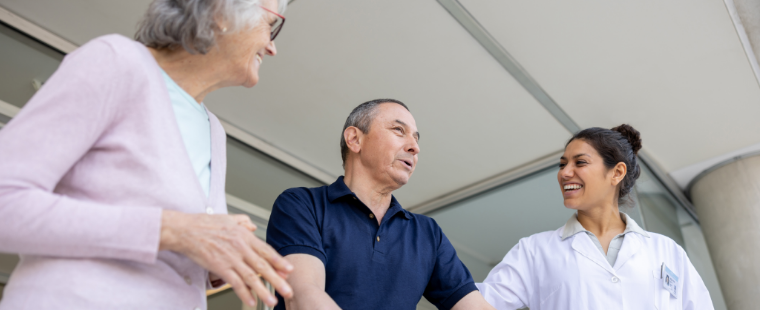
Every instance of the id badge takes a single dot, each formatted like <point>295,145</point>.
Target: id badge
<point>669,280</point>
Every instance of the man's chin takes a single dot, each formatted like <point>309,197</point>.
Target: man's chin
<point>402,180</point>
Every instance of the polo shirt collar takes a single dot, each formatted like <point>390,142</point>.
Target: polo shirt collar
<point>339,189</point>
<point>396,208</point>
<point>573,227</point>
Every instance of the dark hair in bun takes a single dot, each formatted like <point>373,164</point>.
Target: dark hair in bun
<point>616,145</point>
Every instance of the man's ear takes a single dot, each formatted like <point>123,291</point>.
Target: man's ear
<point>618,174</point>
<point>353,137</point>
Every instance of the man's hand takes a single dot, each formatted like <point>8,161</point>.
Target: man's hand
<point>308,281</point>
<point>226,246</point>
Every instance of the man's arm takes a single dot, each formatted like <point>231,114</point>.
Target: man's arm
<point>473,300</point>
<point>308,283</point>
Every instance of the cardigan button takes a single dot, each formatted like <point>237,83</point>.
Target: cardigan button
<point>209,210</point>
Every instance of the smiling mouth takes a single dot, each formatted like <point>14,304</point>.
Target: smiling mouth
<point>572,187</point>
<point>260,59</point>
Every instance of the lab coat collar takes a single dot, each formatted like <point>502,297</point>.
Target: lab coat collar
<point>630,247</point>
<point>572,226</point>
<point>582,244</point>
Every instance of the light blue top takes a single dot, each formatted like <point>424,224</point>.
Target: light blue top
<point>573,227</point>
<point>195,129</point>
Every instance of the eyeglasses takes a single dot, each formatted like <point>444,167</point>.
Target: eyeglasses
<point>277,26</point>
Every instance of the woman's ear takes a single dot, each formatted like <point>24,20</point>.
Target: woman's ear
<point>353,137</point>
<point>618,173</point>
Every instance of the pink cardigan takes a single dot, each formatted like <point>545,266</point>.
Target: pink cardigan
<point>85,169</point>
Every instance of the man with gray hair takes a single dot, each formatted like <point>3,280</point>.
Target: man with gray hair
<point>352,244</point>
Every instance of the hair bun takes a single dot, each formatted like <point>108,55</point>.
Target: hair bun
<point>633,136</point>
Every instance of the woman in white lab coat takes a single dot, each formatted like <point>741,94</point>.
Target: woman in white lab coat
<point>600,259</point>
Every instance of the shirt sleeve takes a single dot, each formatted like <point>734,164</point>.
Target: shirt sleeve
<point>451,280</point>
<point>57,127</point>
<point>507,285</point>
<point>293,226</point>
<point>695,295</point>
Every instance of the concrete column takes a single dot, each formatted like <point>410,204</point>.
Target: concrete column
<point>727,201</point>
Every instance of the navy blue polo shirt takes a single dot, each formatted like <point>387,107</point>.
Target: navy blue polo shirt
<point>368,266</point>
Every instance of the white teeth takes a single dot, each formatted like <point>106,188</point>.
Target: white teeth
<point>259,58</point>
<point>573,186</point>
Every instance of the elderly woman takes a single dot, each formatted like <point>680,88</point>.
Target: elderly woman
<point>112,176</point>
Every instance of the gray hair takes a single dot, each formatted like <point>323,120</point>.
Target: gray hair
<point>192,24</point>
<point>361,117</point>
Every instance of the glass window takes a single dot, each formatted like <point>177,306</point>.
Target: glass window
<point>658,207</point>
<point>258,178</point>
<point>24,62</point>
<point>7,263</point>
<point>483,228</point>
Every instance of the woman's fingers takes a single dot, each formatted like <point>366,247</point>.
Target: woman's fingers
<point>264,294</point>
<point>240,288</point>
<point>245,221</point>
<point>261,266</point>
<point>253,281</point>
<point>264,250</point>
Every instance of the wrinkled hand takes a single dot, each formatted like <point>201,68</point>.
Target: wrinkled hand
<point>226,246</point>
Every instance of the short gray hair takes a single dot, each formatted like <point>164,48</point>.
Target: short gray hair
<point>192,24</point>
<point>361,117</point>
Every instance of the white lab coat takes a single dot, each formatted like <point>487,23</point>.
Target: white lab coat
<point>544,272</point>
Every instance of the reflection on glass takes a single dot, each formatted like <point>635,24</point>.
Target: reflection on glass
<point>23,62</point>
<point>658,207</point>
<point>485,227</point>
<point>258,178</point>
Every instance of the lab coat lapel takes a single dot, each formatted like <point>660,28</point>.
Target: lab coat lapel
<point>629,248</point>
<point>584,246</point>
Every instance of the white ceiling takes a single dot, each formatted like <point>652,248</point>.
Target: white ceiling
<point>676,70</point>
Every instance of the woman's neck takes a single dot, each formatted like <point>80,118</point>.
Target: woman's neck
<point>602,220</point>
<point>194,73</point>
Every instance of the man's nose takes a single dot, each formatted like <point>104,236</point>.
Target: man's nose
<point>413,147</point>
<point>271,49</point>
